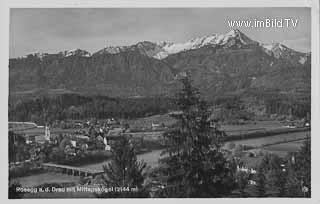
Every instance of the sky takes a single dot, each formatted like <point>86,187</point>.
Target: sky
<point>58,29</point>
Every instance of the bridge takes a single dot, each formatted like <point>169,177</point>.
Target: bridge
<point>75,171</point>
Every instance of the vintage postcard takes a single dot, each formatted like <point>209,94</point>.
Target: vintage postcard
<point>160,102</point>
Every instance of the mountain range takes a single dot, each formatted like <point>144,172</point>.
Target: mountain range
<point>219,64</point>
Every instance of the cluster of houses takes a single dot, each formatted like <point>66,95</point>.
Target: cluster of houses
<point>248,170</point>
<point>41,134</point>
<point>104,131</point>
<point>88,135</point>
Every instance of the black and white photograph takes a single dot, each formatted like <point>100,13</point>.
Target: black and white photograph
<point>159,102</point>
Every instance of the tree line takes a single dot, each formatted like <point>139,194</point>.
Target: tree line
<point>73,106</point>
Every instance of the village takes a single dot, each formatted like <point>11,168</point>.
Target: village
<point>80,149</point>
<point>80,134</point>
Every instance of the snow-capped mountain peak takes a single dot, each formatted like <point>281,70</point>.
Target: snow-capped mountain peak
<point>66,53</point>
<point>36,54</point>
<point>163,49</point>
<point>164,43</point>
<point>227,39</point>
<point>75,52</point>
<point>274,46</point>
<point>279,50</point>
<point>160,50</point>
<point>236,34</point>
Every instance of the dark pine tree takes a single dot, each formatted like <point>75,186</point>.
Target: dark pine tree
<point>304,162</point>
<point>195,167</point>
<point>299,173</point>
<point>124,171</point>
<point>242,179</point>
<point>260,183</point>
<point>275,175</point>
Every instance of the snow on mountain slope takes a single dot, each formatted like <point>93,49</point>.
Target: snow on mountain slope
<point>215,39</point>
<point>112,49</point>
<point>75,52</point>
<point>66,53</point>
<point>281,51</point>
<point>163,49</point>
<point>35,54</point>
<point>276,48</point>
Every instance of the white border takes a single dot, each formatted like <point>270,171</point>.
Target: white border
<point>159,3</point>
<point>4,56</point>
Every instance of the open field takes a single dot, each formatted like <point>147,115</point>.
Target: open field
<point>258,142</point>
<point>140,125</point>
<point>152,136</point>
<point>252,126</point>
<point>284,148</point>
<point>52,131</point>
<point>289,146</point>
<point>280,149</point>
<point>145,123</point>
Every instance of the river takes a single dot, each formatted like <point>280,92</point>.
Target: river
<point>151,158</point>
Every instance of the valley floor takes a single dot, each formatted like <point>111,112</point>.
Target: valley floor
<point>281,145</point>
